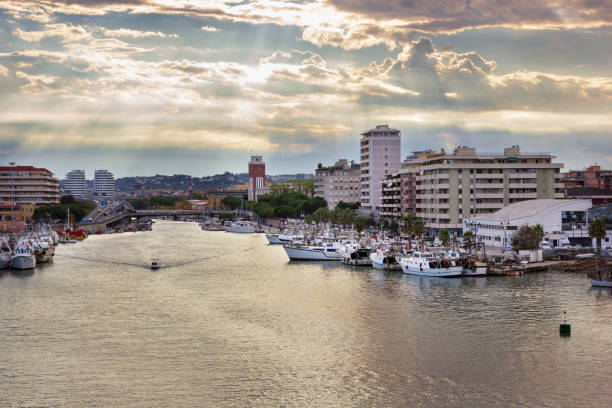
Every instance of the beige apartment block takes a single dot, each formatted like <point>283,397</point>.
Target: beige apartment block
<point>340,182</point>
<point>28,185</point>
<point>458,186</point>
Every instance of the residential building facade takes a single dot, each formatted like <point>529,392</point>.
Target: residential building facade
<point>591,177</point>
<point>104,185</point>
<point>457,186</point>
<point>28,185</point>
<point>340,182</point>
<point>380,150</point>
<point>76,185</point>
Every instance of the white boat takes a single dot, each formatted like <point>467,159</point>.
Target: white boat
<point>474,269</point>
<point>282,239</point>
<point>352,253</point>
<point>424,264</point>
<point>384,259</point>
<point>241,227</point>
<point>320,251</point>
<point>5,254</point>
<point>22,258</point>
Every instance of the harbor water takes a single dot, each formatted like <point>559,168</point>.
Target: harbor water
<point>227,321</point>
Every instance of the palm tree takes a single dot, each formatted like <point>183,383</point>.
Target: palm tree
<point>444,236</point>
<point>597,230</point>
<point>408,221</point>
<point>468,239</point>
<point>418,227</point>
<point>539,232</point>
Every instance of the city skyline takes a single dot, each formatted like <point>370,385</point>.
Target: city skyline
<point>148,87</point>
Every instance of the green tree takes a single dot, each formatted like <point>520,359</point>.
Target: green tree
<point>444,236</point>
<point>418,227</point>
<point>360,223</point>
<point>161,201</point>
<point>263,209</point>
<point>538,229</point>
<point>526,238</point>
<point>232,202</point>
<point>226,216</point>
<point>468,239</point>
<point>139,203</point>
<point>284,211</point>
<point>322,215</point>
<point>597,231</point>
<point>67,199</point>
<point>352,206</point>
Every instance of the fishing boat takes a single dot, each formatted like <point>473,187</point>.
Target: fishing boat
<point>352,253</point>
<point>5,253</point>
<point>155,264</point>
<point>22,258</point>
<point>282,239</point>
<point>241,227</point>
<point>473,268</point>
<point>319,251</point>
<point>385,259</point>
<point>424,264</point>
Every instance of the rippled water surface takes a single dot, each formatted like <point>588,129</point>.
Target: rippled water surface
<point>228,322</point>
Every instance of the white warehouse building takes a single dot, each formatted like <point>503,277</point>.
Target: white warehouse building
<point>559,218</point>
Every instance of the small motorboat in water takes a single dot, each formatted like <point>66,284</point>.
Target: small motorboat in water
<point>155,264</point>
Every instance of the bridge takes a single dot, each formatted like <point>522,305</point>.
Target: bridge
<point>113,214</point>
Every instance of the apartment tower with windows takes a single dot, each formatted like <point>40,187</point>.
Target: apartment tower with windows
<point>380,156</point>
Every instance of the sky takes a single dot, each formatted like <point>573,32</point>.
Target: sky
<point>144,87</point>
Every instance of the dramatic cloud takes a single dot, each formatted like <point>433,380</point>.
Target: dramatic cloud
<point>298,80</point>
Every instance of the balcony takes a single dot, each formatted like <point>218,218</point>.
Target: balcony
<point>526,196</point>
<point>522,185</point>
<point>493,206</point>
<point>489,185</point>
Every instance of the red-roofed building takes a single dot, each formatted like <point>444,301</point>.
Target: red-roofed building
<point>28,185</point>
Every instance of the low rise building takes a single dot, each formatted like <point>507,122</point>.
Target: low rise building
<point>215,197</point>
<point>557,217</point>
<point>340,182</point>
<point>591,177</point>
<point>28,185</point>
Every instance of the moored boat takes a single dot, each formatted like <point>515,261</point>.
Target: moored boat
<point>352,253</point>
<point>384,259</point>
<point>22,258</point>
<point>474,268</point>
<point>5,254</point>
<point>320,251</point>
<point>424,264</point>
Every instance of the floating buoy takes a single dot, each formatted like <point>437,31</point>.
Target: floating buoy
<point>565,329</point>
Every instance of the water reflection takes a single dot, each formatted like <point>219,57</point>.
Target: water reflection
<point>228,322</point>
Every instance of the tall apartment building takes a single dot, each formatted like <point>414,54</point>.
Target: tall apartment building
<point>104,185</point>
<point>380,156</point>
<point>257,178</point>
<point>28,185</point>
<point>340,182</point>
<point>76,185</point>
<point>452,187</point>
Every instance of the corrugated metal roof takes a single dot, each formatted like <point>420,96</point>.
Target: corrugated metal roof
<point>527,208</point>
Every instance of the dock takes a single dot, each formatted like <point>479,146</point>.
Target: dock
<point>516,270</point>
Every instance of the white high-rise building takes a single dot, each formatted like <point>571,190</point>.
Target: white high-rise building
<point>104,185</point>
<point>380,156</point>
<point>76,185</point>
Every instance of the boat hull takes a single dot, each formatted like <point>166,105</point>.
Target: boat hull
<point>23,263</point>
<point>605,284</point>
<point>357,261</point>
<point>4,262</point>
<point>273,239</point>
<point>305,254</point>
<point>391,267</point>
<point>478,272</point>
<point>434,273</point>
